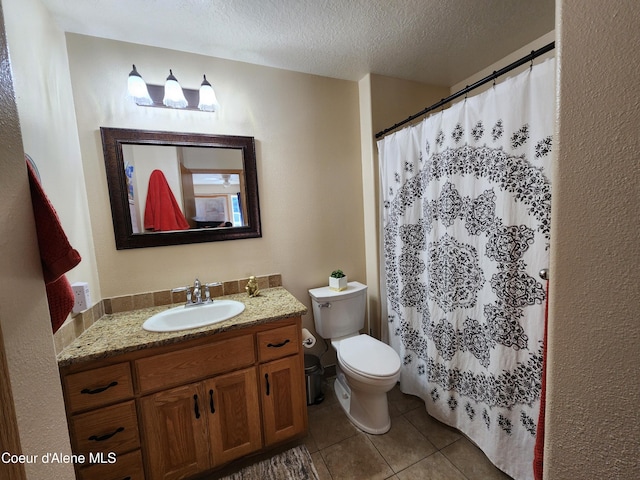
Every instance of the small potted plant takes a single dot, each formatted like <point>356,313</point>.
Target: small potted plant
<point>337,280</point>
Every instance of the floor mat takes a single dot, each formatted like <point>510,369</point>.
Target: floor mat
<point>293,464</point>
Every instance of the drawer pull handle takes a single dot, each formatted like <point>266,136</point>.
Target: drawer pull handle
<point>266,377</point>
<point>278,345</point>
<point>211,405</point>
<point>95,438</point>
<point>195,406</point>
<point>98,390</point>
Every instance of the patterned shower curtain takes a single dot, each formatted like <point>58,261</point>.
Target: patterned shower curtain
<point>465,218</point>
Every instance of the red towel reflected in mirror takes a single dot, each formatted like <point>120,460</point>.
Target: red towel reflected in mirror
<point>162,212</point>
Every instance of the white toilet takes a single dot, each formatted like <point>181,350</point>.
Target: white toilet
<point>367,368</point>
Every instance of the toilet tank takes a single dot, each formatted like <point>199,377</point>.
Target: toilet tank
<point>337,314</point>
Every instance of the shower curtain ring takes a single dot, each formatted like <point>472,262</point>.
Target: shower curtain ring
<point>532,57</point>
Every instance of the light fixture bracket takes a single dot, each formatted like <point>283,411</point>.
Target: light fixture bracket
<point>156,92</point>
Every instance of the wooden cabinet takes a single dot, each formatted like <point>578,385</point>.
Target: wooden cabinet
<point>105,430</point>
<point>128,466</point>
<point>191,363</point>
<point>199,426</point>
<point>97,387</point>
<point>234,408</point>
<point>175,433</point>
<point>103,422</point>
<point>278,343</point>
<point>282,384</point>
<point>284,416</point>
<point>175,411</point>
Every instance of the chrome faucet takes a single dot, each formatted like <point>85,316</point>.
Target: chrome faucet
<point>194,297</point>
<point>197,292</point>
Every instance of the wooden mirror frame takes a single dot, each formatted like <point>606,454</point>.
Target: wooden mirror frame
<point>112,141</point>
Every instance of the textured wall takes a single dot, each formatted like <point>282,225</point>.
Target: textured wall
<point>24,316</point>
<point>594,332</point>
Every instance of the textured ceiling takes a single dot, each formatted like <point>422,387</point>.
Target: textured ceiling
<point>439,42</point>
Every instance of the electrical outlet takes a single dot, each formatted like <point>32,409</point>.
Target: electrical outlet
<point>82,296</point>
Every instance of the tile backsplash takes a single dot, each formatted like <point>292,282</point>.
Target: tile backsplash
<point>78,323</point>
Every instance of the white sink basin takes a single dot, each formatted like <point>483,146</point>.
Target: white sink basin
<point>185,318</point>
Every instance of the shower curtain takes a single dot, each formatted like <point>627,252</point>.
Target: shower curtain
<point>465,225</point>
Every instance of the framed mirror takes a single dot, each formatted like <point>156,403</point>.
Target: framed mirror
<point>169,188</point>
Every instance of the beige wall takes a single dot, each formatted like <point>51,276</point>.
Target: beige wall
<point>517,55</point>
<point>24,316</point>
<point>308,154</point>
<point>45,106</point>
<point>594,329</point>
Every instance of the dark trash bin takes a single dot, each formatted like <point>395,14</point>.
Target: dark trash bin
<point>313,375</point>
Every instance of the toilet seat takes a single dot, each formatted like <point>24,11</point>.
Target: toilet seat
<point>368,357</point>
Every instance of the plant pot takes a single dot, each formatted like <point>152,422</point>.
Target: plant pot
<point>338,284</point>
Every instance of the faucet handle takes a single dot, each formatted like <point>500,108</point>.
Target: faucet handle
<point>183,289</point>
<point>207,294</point>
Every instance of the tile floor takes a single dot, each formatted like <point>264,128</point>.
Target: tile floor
<point>416,447</point>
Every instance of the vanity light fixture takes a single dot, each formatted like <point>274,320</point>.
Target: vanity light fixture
<point>172,95</point>
<point>226,183</point>
<point>138,88</point>
<point>208,101</point>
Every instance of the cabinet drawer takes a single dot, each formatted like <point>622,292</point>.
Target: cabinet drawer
<point>278,342</point>
<point>97,387</point>
<point>108,429</point>
<point>189,364</point>
<point>127,466</point>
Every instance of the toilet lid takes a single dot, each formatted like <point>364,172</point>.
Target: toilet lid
<point>369,356</point>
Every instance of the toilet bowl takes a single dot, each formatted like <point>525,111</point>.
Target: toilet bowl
<point>367,368</point>
<point>370,369</point>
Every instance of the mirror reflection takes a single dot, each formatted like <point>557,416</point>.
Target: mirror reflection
<point>179,188</point>
<point>169,188</point>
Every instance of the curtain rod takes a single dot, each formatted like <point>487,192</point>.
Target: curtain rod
<point>468,88</point>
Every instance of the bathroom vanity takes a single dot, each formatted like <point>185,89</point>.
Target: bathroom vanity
<point>171,405</point>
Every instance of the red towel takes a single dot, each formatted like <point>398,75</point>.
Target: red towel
<point>56,254</point>
<point>538,451</point>
<point>162,213</point>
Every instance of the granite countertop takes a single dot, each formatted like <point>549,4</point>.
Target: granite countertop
<point>119,333</point>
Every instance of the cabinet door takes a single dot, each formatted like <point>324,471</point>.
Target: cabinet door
<point>175,432</point>
<point>233,410</point>
<point>283,399</point>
